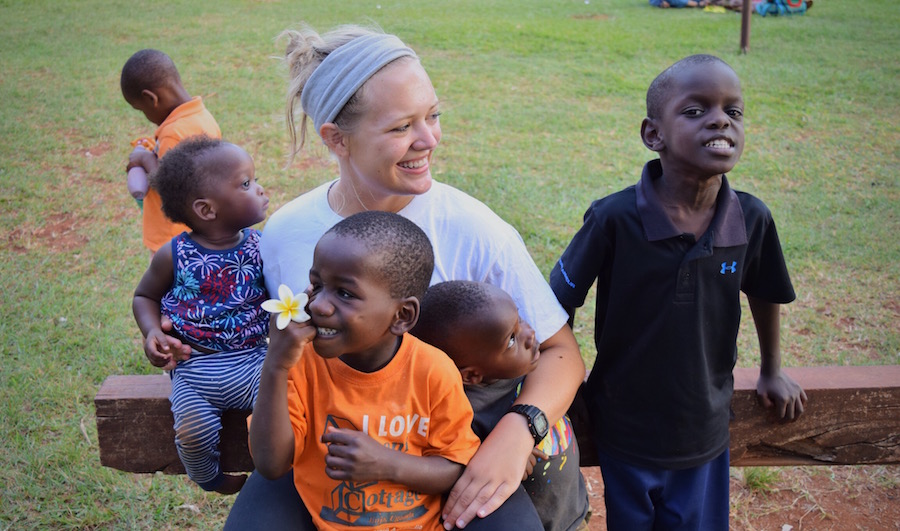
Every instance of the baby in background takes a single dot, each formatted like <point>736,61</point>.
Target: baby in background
<point>209,283</point>
<point>478,326</point>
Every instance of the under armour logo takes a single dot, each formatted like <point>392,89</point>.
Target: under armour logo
<point>726,267</point>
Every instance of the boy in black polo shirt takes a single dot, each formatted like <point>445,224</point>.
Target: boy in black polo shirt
<point>671,255</point>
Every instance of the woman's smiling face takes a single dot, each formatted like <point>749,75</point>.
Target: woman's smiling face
<point>390,148</point>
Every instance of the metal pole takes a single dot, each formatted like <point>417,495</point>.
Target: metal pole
<point>745,25</point>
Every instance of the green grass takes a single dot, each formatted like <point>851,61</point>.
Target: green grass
<point>760,478</point>
<point>543,102</point>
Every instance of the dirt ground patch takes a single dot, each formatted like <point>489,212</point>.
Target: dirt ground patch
<point>60,233</point>
<point>64,232</point>
<point>840,498</point>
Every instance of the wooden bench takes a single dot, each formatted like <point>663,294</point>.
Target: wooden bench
<point>853,417</point>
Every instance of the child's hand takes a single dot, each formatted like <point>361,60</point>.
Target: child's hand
<point>178,348</point>
<point>160,352</point>
<point>145,142</point>
<point>782,393</point>
<point>535,456</point>
<point>354,456</point>
<point>143,158</point>
<point>286,346</point>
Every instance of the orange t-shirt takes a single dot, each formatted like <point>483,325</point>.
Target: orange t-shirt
<point>415,404</point>
<point>188,119</point>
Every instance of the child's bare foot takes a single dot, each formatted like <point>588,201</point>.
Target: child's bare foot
<point>232,484</point>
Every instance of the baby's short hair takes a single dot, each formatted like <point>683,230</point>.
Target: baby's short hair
<point>185,174</point>
<point>400,250</point>
<point>446,304</point>
<point>147,69</point>
<point>660,89</point>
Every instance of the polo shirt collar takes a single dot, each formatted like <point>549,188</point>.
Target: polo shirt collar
<point>727,228</point>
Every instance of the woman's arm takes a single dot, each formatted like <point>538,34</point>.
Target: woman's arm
<point>560,371</point>
<point>495,471</point>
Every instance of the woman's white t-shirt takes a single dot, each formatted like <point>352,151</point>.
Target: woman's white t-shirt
<point>470,242</point>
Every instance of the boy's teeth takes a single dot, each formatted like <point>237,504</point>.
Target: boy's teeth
<point>326,331</point>
<point>718,144</point>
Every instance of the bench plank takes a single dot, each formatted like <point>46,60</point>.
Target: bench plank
<point>853,417</point>
<point>135,428</point>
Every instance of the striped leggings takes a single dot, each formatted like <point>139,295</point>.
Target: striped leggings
<point>203,387</point>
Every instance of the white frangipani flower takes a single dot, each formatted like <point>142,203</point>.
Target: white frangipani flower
<point>288,306</point>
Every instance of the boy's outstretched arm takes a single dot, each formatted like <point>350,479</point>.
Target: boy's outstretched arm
<point>271,433</point>
<point>774,388</point>
<point>355,456</point>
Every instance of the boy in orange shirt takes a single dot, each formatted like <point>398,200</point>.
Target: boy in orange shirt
<point>373,421</point>
<point>151,84</point>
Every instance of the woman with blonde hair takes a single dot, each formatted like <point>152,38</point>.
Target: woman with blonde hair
<point>374,107</point>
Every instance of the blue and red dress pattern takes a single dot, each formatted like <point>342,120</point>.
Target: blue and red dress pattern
<point>216,297</point>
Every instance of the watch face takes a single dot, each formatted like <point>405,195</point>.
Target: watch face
<point>537,421</point>
<point>540,424</point>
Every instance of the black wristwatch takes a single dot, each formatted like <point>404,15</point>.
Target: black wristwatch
<point>537,421</point>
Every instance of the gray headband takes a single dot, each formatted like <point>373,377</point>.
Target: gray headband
<point>344,71</point>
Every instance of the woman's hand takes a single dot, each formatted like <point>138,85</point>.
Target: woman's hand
<point>493,473</point>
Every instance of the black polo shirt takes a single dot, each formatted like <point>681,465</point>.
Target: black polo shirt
<point>667,317</point>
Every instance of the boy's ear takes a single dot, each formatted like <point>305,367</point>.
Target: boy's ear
<point>335,139</point>
<point>406,316</point>
<point>204,209</point>
<point>471,375</point>
<point>151,96</point>
<point>651,136</point>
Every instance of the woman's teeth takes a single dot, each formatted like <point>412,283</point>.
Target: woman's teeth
<point>413,164</point>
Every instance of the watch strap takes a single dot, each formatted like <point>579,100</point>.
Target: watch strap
<point>531,414</point>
